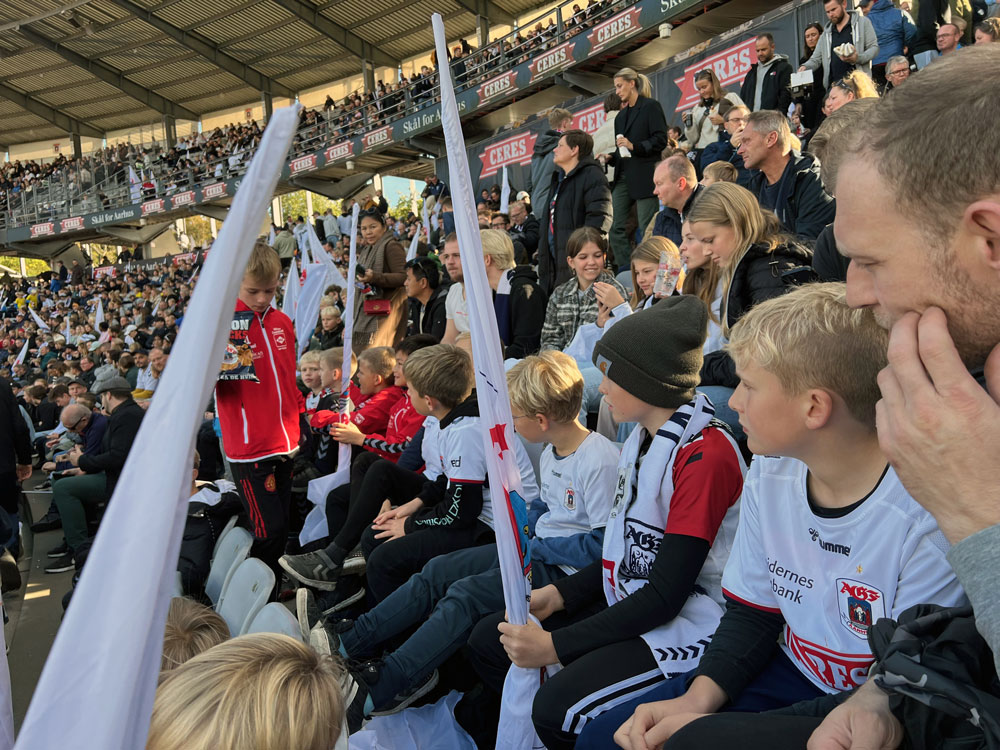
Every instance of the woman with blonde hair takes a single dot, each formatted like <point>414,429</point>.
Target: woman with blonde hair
<point>640,137</point>
<point>703,279</point>
<point>757,263</point>
<point>855,85</point>
<point>256,691</point>
<point>702,123</point>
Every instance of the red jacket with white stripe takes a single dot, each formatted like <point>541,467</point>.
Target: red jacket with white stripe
<point>404,423</point>
<point>372,414</point>
<point>261,420</point>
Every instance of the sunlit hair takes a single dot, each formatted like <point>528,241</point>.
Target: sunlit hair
<point>498,245</point>
<point>443,372</point>
<point>811,338</point>
<point>547,383</point>
<point>649,251</point>
<point>642,84</point>
<point>264,264</point>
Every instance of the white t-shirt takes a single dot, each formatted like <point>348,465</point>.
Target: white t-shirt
<point>830,578</point>
<point>463,460</point>
<point>429,450</point>
<point>456,308</point>
<point>577,489</point>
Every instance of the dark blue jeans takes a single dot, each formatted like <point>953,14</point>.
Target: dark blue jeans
<point>780,684</point>
<point>447,599</point>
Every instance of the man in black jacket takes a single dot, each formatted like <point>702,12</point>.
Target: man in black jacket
<point>427,298</point>
<point>524,227</point>
<point>766,85</point>
<point>786,182</point>
<point>73,495</point>
<point>580,196</point>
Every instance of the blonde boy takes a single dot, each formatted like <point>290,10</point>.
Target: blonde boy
<point>828,540</point>
<point>309,371</point>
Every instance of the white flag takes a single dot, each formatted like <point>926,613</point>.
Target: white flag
<point>411,251</point>
<point>136,185</point>
<point>315,525</point>
<point>291,296</point>
<point>270,236</point>
<point>96,690</point>
<point>99,315</point>
<point>38,321</point>
<point>23,353</point>
<point>504,192</point>
<point>320,255</point>
<point>306,255</point>
<point>67,332</point>
<point>515,730</point>
<point>307,309</point>
<point>427,221</point>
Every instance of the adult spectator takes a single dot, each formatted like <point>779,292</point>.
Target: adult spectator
<point>948,36</point>
<point>284,245</point>
<point>726,148</point>
<point>810,102</point>
<point>766,83</point>
<point>542,165</point>
<point>301,234</point>
<point>434,190</point>
<point>76,276</point>
<point>73,495</point>
<point>787,181</point>
<point>676,185</point>
<point>580,196</point>
<point>428,298</point>
<point>149,378</point>
<point>87,373</point>
<point>988,31</point>
<point>345,219</point>
<point>701,124</point>
<point>897,70</point>
<point>843,27</point>
<point>894,31</point>
<point>855,85</point>
<point>518,300</point>
<point>640,137</point>
<point>524,227</point>
<point>383,259</point>
<point>604,138</point>
<point>500,221</point>
<point>331,227</point>
<point>318,226</point>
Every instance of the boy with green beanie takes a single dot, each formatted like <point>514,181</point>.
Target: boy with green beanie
<point>647,610</point>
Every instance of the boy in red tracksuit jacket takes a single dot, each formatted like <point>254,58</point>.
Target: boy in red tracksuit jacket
<point>404,421</point>
<point>375,368</point>
<point>258,404</point>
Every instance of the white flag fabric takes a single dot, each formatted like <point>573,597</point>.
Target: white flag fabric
<point>66,333</point>
<point>315,525</point>
<point>306,255</point>
<point>411,251</point>
<point>427,221</point>
<point>515,730</point>
<point>271,236</point>
<point>135,183</point>
<point>99,315</point>
<point>23,353</point>
<point>291,296</point>
<point>307,309</point>
<point>504,192</point>
<point>38,321</point>
<point>97,688</point>
<point>320,255</point>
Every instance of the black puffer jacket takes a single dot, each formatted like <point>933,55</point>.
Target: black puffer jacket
<point>802,204</point>
<point>761,274</point>
<point>584,199</point>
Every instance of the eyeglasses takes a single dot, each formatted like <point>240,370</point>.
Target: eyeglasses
<point>901,71</point>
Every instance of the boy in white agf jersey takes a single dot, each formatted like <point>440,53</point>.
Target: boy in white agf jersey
<point>828,540</point>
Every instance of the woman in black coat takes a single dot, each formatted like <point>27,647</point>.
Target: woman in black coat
<point>758,263</point>
<point>578,197</point>
<point>640,137</point>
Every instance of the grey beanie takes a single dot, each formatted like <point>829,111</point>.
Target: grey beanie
<point>656,354</point>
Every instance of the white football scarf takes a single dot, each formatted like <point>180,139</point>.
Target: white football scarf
<point>636,526</point>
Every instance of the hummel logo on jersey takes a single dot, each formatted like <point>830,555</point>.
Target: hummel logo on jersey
<point>840,549</point>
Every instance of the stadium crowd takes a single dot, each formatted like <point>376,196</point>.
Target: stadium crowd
<point>752,365</point>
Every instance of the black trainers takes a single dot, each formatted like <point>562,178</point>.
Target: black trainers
<point>62,564</point>
<point>314,569</point>
<point>354,564</point>
<point>62,549</point>
<point>408,697</point>
<point>48,522</point>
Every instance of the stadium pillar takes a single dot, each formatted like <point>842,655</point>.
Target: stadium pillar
<point>482,31</point>
<point>170,130</point>
<point>368,73</point>
<point>268,105</point>
<point>77,148</point>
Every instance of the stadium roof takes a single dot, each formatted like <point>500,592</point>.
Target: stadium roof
<point>94,66</point>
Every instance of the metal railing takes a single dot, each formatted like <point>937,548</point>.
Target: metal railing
<point>74,191</point>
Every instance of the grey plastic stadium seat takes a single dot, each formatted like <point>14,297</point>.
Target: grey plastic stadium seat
<point>245,595</point>
<point>276,618</point>
<point>231,550</point>
<point>225,530</point>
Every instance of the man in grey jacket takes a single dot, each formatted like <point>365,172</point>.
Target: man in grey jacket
<point>937,424</point>
<point>843,26</point>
